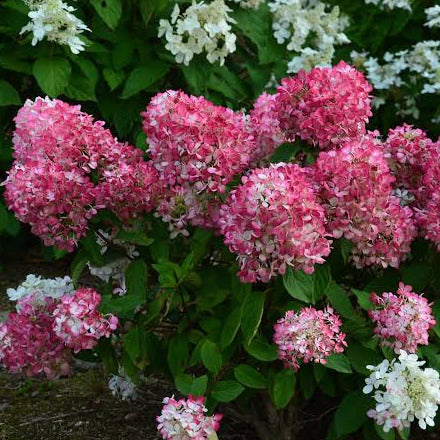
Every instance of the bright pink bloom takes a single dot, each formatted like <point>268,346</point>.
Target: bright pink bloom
<point>129,189</point>
<point>409,149</point>
<point>27,343</point>
<point>355,188</point>
<point>272,221</point>
<point>265,128</point>
<point>402,319</point>
<point>78,323</point>
<point>308,335</point>
<point>57,203</point>
<point>193,141</point>
<point>184,419</point>
<point>324,106</point>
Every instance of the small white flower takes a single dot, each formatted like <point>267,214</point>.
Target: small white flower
<point>53,19</point>
<point>433,16</point>
<point>391,4</point>
<point>201,28</point>
<point>403,392</point>
<point>249,4</point>
<point>122,386</point>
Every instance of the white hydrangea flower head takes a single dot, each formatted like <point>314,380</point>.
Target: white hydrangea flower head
<point>201,28</point>
<point>53,20</point>
<point>403,392</point>
<point>51,287</point>
<point>295,21</point>
<point>122,386</point>
<point>391,4</point>
<point>433,16</point>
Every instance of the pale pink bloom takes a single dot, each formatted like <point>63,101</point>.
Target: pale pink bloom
<point>403,320</point>
<point>309,335</point>
<point>324,106</point>
<point>185,419</point>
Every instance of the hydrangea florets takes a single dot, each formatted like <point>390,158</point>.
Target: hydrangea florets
<point>324,106</point>
<point>185,419</point>
<point>78,323</point>
<point>27,343</point>
<point>355,188</point>
<point>402,319</point>
<point>191,140</point>
<point>273,221</point>
<point>308,335</point>
<point>403,392</point>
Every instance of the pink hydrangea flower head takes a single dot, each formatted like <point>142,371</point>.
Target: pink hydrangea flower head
<point>78,323</point>
<point>265,128</point>
<point>273,221</point>
<point>185,419</point>
<point>355,188</point>
<point>408,150</point>
<point>428,214</point>
<point>191,140</point>
<point>56,202</point>
<point>308,335</point>
<point>58,131</point>
<point>129,189</point>
<point>403,320</point>
<point>27,343</point>
<point>324,106</point>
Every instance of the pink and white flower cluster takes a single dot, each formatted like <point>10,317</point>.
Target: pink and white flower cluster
<point>78,323</point>
<point>67,167</point>
<point>38,338</point>
<point>185,419</point>
<point>324,106</point>
<point>402,319</point>
<point>308,335</point>
<point>355,188</point>
<point>272,221</point>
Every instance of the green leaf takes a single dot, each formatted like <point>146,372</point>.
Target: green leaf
<point>363,299</point>
<point>211,356</point>
<point>198,386</point>
<point>143,76</point>
<point>307,288</point>
<point>360,356</point>
<point>78,265</point>
<point>230,329</point>
<point>261,350</point>
<point>251,314</point>
<point>113,78</point>
<point>338,362</point>
<point>135,344</point>
<point>283,387</point>
<point>52,75</point>
<point>339,300</point>
<point>196,75</point>
<point>136,237</point>
<point>136,279</point>
<point>81,88</point>
<point>417,275</point>
<point>213,436</point>
<point>382,434</point>
<point>226,390</point>
<point>178,353</point>
<point>8,95</point>
<point>250,377</point>
<point>352,413</point>
<point>92,249</point>
<point>109,10</point>
<point>183,383</point>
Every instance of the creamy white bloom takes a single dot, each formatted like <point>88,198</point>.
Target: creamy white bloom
<point>295,21</point>
<point>53,19</point>
<point>201,28</point>
<point>391,4</point>
<point>403,392</point>
<point>122,386</point>
<point>51,287</point>
<point>433,16</point>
